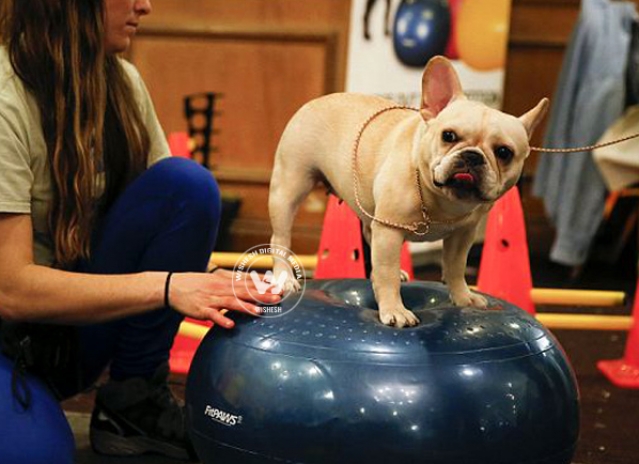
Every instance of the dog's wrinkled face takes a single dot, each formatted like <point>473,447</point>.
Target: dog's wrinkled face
<point>469,152</point>
<point>475,153</point>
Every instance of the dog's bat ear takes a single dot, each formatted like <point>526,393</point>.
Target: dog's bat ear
<point>532,118</point>
<point>440,86</point>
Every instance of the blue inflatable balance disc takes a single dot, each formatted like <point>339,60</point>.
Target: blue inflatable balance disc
<point>327,383</point>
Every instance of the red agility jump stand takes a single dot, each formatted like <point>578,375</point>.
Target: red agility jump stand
<point>624,372</point>
<point>341,250</point>
<point>504,270</point>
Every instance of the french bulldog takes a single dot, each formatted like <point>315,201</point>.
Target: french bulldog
<point>433,173</point>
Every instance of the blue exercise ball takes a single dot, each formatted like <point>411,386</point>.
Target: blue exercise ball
<point>421,31</point>
<point>327,383</point>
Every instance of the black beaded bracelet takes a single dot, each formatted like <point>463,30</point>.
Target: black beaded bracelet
<point>167,283</point>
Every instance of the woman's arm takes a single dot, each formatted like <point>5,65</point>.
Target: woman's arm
<point>32,292</point>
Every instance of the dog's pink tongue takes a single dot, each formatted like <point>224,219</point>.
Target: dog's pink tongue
<point>464,177</point>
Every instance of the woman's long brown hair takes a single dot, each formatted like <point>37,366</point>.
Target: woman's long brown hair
<point>89,115</point>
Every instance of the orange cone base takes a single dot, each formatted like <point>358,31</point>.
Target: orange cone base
<point>620,373</point>
<point>624,372</point>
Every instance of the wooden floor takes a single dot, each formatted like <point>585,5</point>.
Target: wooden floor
<point>610,415</point>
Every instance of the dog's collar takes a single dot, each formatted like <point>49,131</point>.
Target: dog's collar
<point>419,228</point>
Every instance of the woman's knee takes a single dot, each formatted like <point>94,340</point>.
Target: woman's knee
<point>192,185</point>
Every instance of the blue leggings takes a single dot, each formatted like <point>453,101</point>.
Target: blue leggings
<point>166,220</point>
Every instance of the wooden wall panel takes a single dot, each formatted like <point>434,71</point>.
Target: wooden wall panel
<point>300,14</point>
<point>542,22</point>
<point>254,76</point>
<point>268,57</point>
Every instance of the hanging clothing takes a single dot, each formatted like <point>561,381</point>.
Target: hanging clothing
<point>590,96</point>
<point>619,164</point>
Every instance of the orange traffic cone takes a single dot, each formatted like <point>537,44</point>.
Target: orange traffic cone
<point>341,250</point>
<point>179,144</point>
<point>406,262</point>
<point>184,349</point>
<point>624,372</point>
<point>504,271</point>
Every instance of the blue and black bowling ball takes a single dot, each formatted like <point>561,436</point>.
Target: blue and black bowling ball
<point>327,383</point>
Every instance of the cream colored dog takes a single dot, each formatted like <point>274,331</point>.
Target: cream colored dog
<point>434,174</point>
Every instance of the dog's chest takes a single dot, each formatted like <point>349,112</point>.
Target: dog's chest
<point>435,232</point>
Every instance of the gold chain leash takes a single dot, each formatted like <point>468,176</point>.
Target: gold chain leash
<point>588,148</point>
<point>419,228</point>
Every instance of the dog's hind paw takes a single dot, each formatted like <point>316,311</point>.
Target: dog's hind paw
<point>398,317</point>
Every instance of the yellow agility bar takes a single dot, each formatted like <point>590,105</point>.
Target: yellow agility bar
<point>539,296</point>
<point>229,260</point>
<point>565,297</point>
<point>585,321</point>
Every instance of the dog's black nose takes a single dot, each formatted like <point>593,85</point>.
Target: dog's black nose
<point>473,158</point>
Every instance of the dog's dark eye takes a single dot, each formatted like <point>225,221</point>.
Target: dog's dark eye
<point>504,153</point>
<point>449,136</point>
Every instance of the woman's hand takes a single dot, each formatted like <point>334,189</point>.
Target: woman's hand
<point>205,296</point>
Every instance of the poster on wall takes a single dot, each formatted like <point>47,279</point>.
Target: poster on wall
<point>392,40</point>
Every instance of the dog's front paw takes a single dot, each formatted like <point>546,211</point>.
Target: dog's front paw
<point>291,285</point>
<point>398,316</point>
<point>469,298</point>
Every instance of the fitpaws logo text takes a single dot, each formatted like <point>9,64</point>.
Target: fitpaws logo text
<point>287,276</point>
<point>222,417</point>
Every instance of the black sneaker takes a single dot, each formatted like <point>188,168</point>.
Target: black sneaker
<point>138,416</point>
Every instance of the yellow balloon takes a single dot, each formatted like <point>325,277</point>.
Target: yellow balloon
<point>482,33</point>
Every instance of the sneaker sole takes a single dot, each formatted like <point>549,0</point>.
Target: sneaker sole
<point>110,444</point>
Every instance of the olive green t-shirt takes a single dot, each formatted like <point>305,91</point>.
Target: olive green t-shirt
<point>25,182</point>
